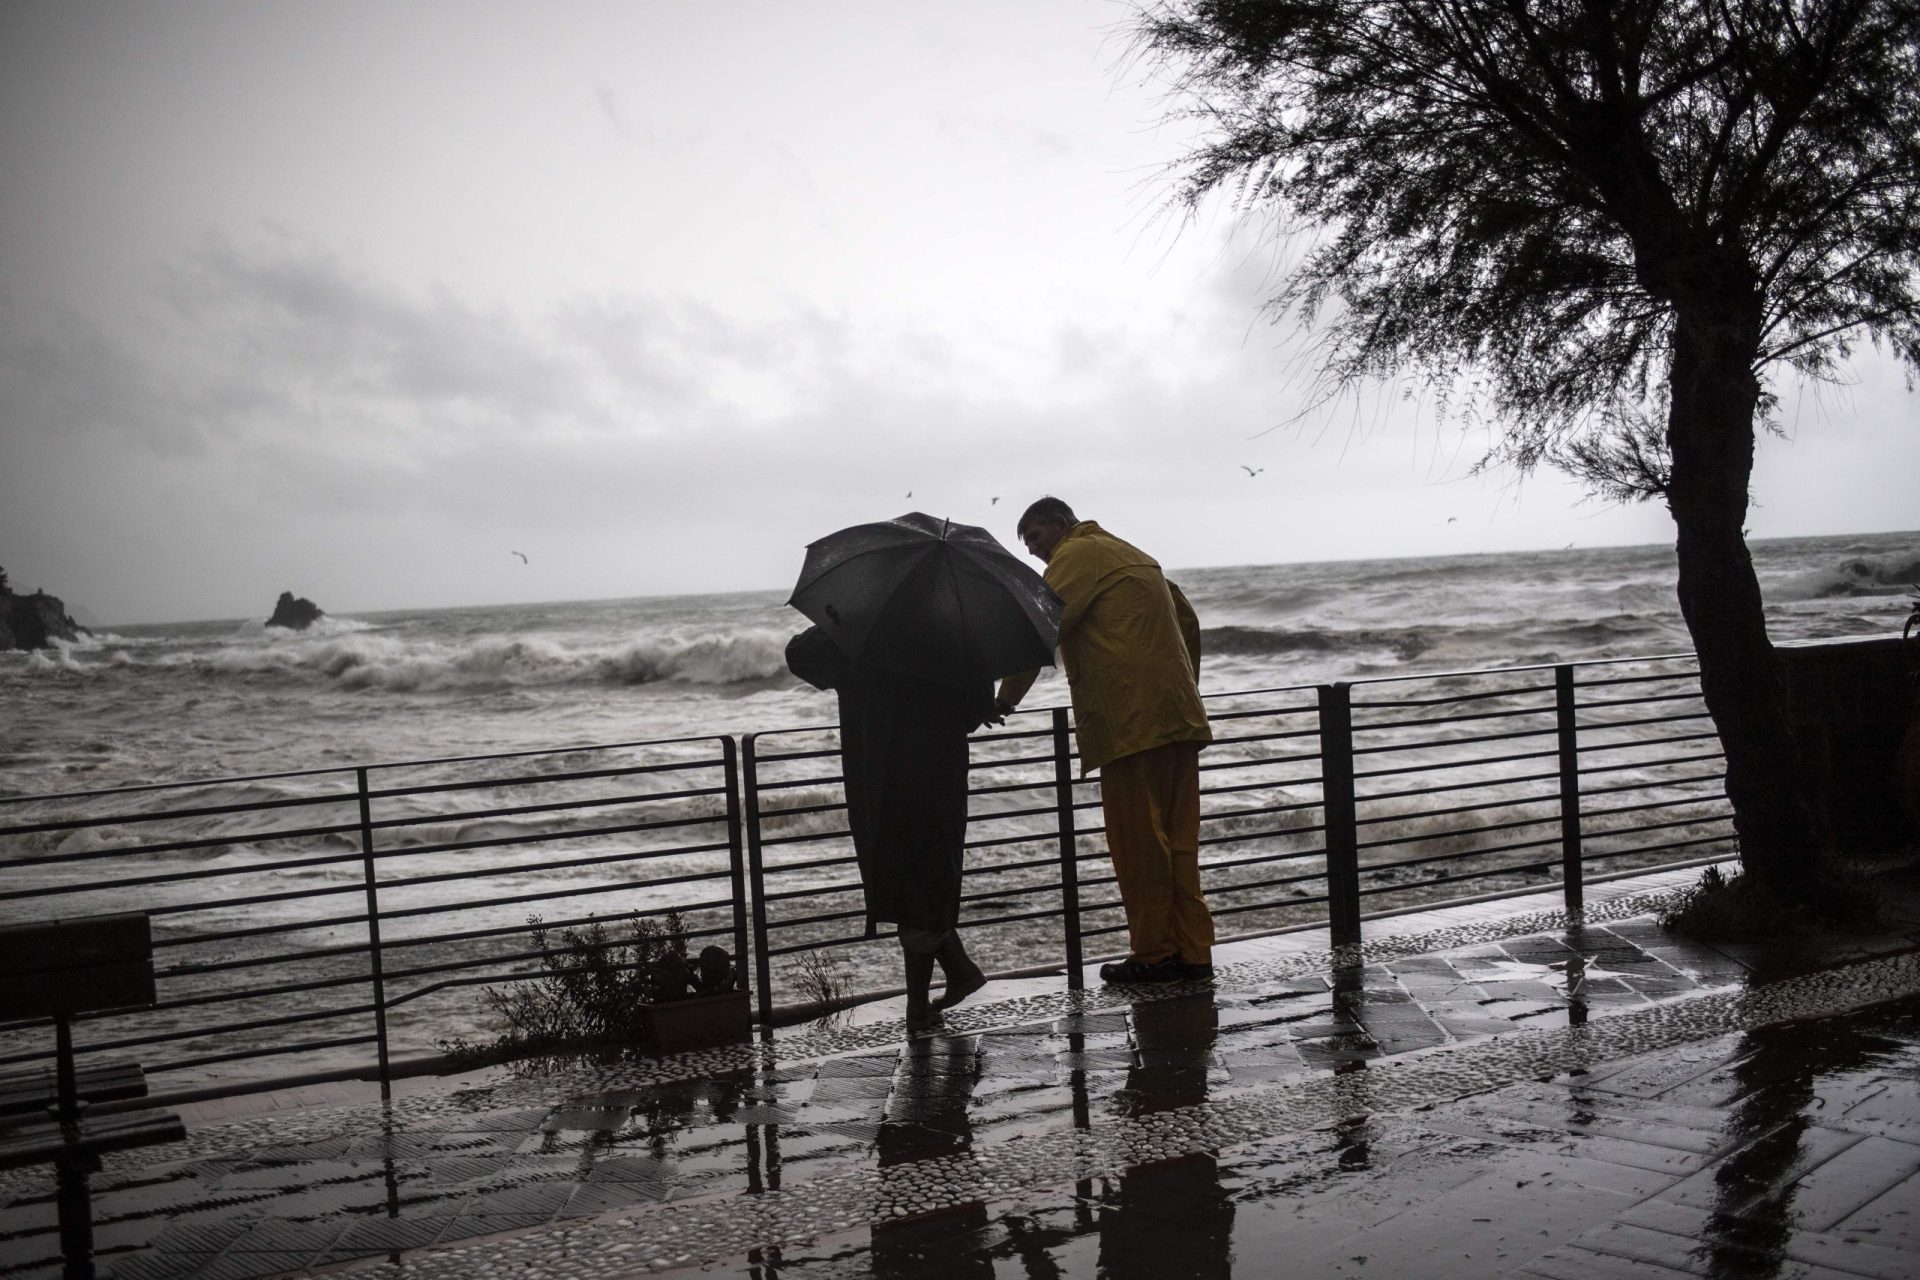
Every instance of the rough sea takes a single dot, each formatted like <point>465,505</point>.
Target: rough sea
<point>141,704</point>
<point>137,705</point>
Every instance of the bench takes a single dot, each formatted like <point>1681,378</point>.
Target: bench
<point>57,969</point>
<point>30,1091</point>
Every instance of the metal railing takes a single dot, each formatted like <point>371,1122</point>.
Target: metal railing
<point>1319,805</point>
<point>348,912</point>
<point>1020,849</point>
<point>340,912</point>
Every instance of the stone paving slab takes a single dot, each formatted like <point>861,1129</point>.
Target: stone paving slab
<point>949,1183</point>
<point>1029,1092</point>
<point>1452,1190</point>
<point>253,1120</point>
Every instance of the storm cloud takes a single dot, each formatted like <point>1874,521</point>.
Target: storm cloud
<point>350,300</point>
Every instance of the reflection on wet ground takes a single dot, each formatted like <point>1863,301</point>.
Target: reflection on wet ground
<point>1786,1151</point>
<point>1719,1155</point>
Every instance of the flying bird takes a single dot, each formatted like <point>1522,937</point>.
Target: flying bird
<point>1453,519</point>
<point>909,493</point>
<point>1251,471</point>
<point>994,502</point>
<point>522,555</point>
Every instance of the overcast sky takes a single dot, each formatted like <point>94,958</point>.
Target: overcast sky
<point>357,299</point>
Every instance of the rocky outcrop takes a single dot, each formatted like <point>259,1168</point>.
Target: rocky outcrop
<point>294,612</point>
<point>35,621</point>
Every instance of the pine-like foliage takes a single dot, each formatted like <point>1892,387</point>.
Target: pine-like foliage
<point>1514,198</point>
<point>1593,226</point>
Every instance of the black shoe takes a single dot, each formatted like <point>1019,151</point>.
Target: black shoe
<point>1195,972</point>
<point>1132,970</point>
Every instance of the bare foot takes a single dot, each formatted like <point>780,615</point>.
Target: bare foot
<point>961,983</point>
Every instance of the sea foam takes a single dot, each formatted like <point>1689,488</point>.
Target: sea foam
<point>376,660</point>
<point>1857,575</point>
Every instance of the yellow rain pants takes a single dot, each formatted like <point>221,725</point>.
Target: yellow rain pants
<point>1151,800</point>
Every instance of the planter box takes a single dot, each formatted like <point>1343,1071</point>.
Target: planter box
<point>697,1022</point>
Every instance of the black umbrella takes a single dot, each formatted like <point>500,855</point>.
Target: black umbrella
<point>928,597</point>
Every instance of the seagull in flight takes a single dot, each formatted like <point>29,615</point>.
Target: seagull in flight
<point>1453,519</point>
<point>522,555</point>
<point>994,503</point>
<point>1251,471</point>
<point>909,493</point>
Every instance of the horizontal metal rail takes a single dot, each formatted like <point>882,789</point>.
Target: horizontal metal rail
<point>1312,798</point>
<point>631,830</point>
<point>1487,739</point>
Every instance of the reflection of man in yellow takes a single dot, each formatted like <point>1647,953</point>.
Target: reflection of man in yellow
<point>1131,648</point>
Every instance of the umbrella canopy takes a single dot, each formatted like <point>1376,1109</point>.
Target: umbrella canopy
<point>930,598</point>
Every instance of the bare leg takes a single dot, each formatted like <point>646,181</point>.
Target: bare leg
<point>921,1015</point>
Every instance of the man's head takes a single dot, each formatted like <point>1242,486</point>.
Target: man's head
<point>1042,526</point>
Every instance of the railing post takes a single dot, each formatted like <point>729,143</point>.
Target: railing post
<point>1572,877</point>
<point>1337,801</point>
<point>71,1172</point>
<point>762,962</point>
<point>736,863</point>
<point>373,925</point>
<point>1069,855</point>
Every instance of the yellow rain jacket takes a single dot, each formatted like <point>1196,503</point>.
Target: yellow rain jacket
<point>1131,669</point>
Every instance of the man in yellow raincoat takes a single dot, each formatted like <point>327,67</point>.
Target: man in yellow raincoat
<point>1131,648</point>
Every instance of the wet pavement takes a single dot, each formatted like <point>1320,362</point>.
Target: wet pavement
<point>1787,1151</point>
<point>1481,1091</point>
<point>1598,1177</point>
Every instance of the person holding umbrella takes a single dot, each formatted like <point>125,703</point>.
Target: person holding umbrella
<point>915,618</point>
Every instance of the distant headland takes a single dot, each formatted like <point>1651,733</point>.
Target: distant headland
<point>34,621</point>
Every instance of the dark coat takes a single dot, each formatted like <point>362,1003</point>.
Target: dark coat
<point>903,748</point>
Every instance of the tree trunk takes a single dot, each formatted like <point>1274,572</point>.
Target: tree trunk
<point>1710,429</point>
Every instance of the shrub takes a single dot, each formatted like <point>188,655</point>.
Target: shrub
<point>590,988</point>
<point>1735,908</point>
<point>819,979</point>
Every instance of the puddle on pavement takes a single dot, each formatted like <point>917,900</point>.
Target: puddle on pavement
<point>1318,1203</point>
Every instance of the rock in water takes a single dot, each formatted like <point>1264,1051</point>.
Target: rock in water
<point>294,613</point>
<point>35,621</point>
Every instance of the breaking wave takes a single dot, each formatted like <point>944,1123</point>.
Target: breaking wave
<point>365,658</point>
<point>1859,575</point>
<point>1248,642</point>
<point>326,624</point>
